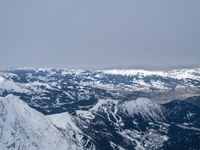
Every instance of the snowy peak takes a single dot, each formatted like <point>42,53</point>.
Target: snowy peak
<point>25,128</point>
<point>145,107</point>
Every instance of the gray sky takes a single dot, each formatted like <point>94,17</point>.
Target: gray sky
<point>99,33</point>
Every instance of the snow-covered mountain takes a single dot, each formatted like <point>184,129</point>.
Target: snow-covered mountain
<point>99,109</point>
<point>23,127</point>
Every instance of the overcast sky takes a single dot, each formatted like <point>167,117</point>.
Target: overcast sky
<point>99,33</point>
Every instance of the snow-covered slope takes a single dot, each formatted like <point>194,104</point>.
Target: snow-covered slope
<point>145,107</point>
<point>10,85</point>
<point>24,128</point>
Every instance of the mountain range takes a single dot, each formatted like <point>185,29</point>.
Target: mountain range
<point>125,109</point>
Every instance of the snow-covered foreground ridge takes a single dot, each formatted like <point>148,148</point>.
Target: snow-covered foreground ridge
<point>24,128</point>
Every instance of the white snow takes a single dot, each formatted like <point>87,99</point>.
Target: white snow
<point>1,79</point>
<point>10,86</point>
<point>66,124</point>
<point>188,127</point>
<point>147,108</point>
<point>85,114</point>
<point>25,128</point>
<point>177,74</point>
<point>186,73</point>
<point>130,72</point>
<point>63,120</point>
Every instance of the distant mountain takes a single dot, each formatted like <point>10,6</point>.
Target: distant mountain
<point>99,109</point>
